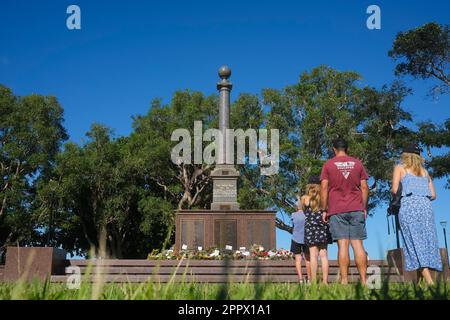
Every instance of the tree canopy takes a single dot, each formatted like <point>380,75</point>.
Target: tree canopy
<point>31,133</point>
<point>437,136</point>
<point>424,53</point>
<point>99,191</point>
<point>323,105</point>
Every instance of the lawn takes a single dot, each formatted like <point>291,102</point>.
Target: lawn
<point>235,291</point>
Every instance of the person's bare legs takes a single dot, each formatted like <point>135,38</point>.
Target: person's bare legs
<point>298,266</point>
<point>325,265</point>
<point>343,259</point>
<point>308,265</point>
<point>427,276</point>
<point>360,259</point>
<point>314,254</point>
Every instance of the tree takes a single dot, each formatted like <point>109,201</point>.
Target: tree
<point>247,112</point>
<point>326,104</point>
<point>98,194</point>
<point>186,185</point>
<point>126,190</point>
<point>435,136</point>
<point>425,53</point>
<point>31,133</point>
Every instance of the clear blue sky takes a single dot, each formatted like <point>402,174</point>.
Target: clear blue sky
<point>129,52</point>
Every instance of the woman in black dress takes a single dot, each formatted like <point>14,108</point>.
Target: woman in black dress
<point>317,234</point>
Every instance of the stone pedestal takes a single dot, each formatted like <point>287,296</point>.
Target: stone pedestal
<point>216,228</point>
<point>396,260</point>
<point>28,263</point>
<point>224,188</point>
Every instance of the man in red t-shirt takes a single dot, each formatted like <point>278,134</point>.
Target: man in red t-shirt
<point>344,198</point>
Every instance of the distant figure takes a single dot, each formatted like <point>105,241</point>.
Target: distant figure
<point>344,197</point>
<point>317,234</point>
<point>417,224</point>
<point>298,247</point>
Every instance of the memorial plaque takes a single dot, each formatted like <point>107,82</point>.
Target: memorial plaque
<point>225,233</point>
<point>237,228</point>
<point>258,232</point>
<point>224,190</point>
<point>192,233</point>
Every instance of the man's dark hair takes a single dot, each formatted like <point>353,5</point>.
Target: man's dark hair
<point>340,144</point>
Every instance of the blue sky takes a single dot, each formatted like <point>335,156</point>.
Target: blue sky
<point>129,52</point>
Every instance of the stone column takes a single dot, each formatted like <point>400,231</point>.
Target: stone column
<point>224,175</point>
<point>224,87</point>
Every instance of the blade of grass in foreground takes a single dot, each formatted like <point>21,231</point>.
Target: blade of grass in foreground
<point>38,290</point>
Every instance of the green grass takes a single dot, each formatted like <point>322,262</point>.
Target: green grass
<point>238,291</point>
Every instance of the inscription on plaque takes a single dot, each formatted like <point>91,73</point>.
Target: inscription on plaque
<point>192,233</point>
<point>225,233</point>
<point>225,190</point>
<point>258,232</point>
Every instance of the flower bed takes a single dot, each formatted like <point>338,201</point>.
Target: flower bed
<point>256,252</point>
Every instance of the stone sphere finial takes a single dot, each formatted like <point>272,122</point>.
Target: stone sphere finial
<point>224,72</point>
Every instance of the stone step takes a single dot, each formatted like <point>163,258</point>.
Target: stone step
<point>193,263</point>
<point>202,278</point>
<point>290,270</point>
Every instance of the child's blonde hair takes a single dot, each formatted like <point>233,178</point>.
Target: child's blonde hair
<point>313,192</point>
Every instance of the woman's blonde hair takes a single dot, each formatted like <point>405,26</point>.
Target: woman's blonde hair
<point>413,162</point>
<point>313,192</point>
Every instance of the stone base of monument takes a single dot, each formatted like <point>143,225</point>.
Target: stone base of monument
<point>29,263</point>
<point>396,260</point>
<point>204,271</point>
<point>215,228</point>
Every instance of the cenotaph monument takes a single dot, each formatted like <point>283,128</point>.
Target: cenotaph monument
<point>224,224</point>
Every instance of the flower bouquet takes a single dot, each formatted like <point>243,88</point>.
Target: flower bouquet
<point>256,252</point>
